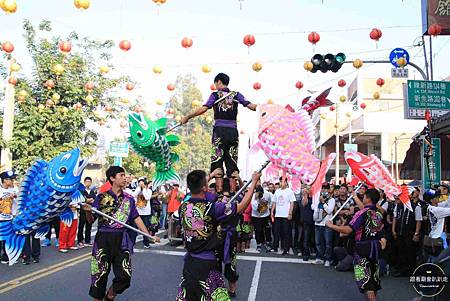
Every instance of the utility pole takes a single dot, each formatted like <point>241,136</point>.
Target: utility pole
<point>8,123</point>
<point>336,125</point>
<point>349,176</point>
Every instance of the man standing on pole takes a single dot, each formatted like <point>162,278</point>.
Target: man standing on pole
<point>225,136</point>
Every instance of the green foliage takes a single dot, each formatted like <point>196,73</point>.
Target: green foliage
<point>195,147</point>
<point>43,129</point>
<point>136,165</point>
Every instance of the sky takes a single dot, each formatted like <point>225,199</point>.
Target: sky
<point>217,28</point>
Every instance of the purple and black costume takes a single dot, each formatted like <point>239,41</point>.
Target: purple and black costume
<point>225,137</point>
<point>200,219</point>
<point>367,224</point>
<point>112,246</point>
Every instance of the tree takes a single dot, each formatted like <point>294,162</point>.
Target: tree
<point>136,165</point>
<point>52,120</point>
<point>195,147</point>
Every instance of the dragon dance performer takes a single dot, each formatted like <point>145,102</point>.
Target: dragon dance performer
<point>367,224</point>
<point>113,246</point>
<point>200,216</point>
<point>225,136</point>
<point>227,252</point>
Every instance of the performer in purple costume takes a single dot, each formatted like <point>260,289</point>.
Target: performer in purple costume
<point>225,136</point>
<point>367,225</point>
<point>113,246</point>
<point>200,217</point>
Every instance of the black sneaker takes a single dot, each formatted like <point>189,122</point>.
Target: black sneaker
<point>285,252</point>
<point>36,260</point>
<point>147,246</point>
<point>25,261</point>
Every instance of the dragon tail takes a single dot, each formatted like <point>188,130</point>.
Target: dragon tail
<point>162,177</point>
<point>13,242</point>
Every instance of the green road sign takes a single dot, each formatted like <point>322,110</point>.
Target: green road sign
<point>117,161</point>
<point>426,95</point>
<point>118,149</point>
<point>431,168</point>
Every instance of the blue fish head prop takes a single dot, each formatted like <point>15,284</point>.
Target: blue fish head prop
<point>142,129</point>
<point>65,171</point>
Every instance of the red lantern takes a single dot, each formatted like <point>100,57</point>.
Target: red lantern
<point>170,87</point>
<point>49,84</point>
<point>299,85</point>
<point>187,42</point>
<point>256,86</point>
<point>89,86</point>
<point>380,82</point>
<point>65,47</point>
<point>375,34</point>
<point>313,37</point>
<point>362,106</point>
<point>249,40</point>
<point>129,86</point>
<point>341,83</point>
<point>12,80</point>
<point>125,45</point>
<point>213,87</point>
<point>332,108</point>
<point>7,47</point>
<point>434,30</point>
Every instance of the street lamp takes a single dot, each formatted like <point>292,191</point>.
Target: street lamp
<point>8,123</point>
<point>396,139</point>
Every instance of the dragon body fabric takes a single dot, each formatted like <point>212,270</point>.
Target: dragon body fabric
<point>150,141</point>
<point>46,191</point>
<point>372,171</point>
<point>287,139</point>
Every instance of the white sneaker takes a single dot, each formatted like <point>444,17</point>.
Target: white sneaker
<point>318,261</point>
<point>327,263</point>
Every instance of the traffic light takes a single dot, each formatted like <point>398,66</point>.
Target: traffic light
<point>328,62</point>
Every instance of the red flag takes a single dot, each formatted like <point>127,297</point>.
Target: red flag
<point>105,187</point>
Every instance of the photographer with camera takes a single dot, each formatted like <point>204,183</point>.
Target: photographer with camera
<point>261,204</point>
<point>323,234</point>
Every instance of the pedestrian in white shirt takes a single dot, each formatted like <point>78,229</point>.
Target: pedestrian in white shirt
<point>143,206</point>
<point>8,204</point>
<point>324,235</point>
<point>282,206</point>
<point>261,205</point>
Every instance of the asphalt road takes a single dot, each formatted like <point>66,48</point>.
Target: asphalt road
<point>157,273</point>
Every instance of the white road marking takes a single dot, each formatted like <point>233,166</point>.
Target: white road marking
<point>240,257</point>
<point>255,281</point>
